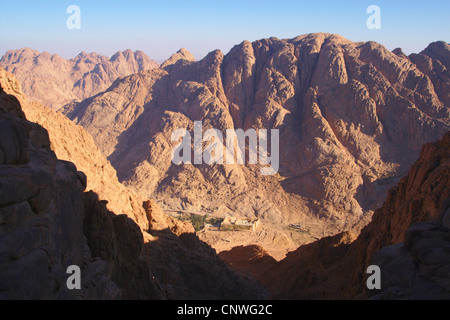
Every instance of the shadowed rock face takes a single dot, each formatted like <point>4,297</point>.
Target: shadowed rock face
<point>48,223</point>
<point>352,118</point>
<point>408,239</point>
<point>54,81</point>
<point>41,212</point>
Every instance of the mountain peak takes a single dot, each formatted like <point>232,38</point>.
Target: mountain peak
<point>399,52</point>
<point>181,54</point>
<point>116,56</point>
<point>439,50</point>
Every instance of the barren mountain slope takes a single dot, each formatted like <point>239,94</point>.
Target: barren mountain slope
<point>48,222</point>
<point>351,119</point>
<point>54,81</point>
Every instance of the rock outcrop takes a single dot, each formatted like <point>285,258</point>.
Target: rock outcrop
<point>41,212</point>
<point>72,143</point>
<point>55,82</point>
<point>419,268</point>
<point>352,118</point>
<point>48,223</point>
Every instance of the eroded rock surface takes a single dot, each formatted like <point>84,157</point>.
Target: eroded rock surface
<point>352,118</point>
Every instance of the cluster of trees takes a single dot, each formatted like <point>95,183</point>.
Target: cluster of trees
<point>199,221</point>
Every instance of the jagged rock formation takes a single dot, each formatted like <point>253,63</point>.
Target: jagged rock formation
<point>408,239</point>
<point>48,222</point>
<point>419,268</point>
<point>351,116</point>
<point>71,142</point>
<point>41,212</point>
<point>55,82</point>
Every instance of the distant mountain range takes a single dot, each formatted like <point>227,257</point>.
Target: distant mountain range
<point>54,81</point>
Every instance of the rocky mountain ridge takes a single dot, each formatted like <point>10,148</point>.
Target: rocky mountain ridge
<point>352,118</point>
<point>54,81</point>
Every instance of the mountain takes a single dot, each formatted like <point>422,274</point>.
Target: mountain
<point>352,118</point>
<point>54,81</point>
<point>408,238</point>
<point>53,216</point>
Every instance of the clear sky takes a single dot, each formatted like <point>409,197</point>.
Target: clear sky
<point>160,28</point>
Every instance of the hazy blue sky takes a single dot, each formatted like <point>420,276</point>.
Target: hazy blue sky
<point>160,28</point>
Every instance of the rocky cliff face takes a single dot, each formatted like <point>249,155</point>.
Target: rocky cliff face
<point>55,82</point>
<point>48,222</point>
<point>41,212</point>
<point>351,116</point>
<point>71,142</point>
<point>417,265</point>
<point>408,239</point>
